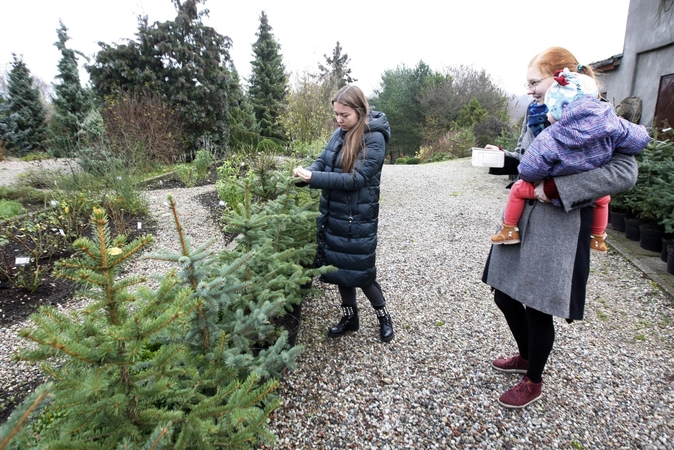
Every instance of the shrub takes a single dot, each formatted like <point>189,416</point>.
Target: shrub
<point>438,157</point>
<point>35,156</point>
<point>142,129</point>
<point>507,139</point>
<point>186,173</point>
<point>413,161</point>
<point>311,150</point>
<point>24,194</point>
<point>227,184</point>
<point>488,129</point>
<point>455,142</point>
<point>401,160</point>
<point>269,146</point>
<point>40,240</point>
<point>10,208</point>
<point>190,174</point>
<point>652,197</point>
<point>92,130</point>
<point>202,163</point>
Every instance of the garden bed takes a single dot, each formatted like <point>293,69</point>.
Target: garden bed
<point>16,305</point>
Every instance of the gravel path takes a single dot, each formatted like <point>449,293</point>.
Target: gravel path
<point>11,168</point>
<point>609,382</point>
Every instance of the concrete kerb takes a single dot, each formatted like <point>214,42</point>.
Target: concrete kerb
<point>646,261</point>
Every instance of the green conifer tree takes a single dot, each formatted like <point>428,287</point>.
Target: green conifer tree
<point>229,319</point>
<point>125,375</point>
<point>183,60</point>
<point>244,127</point>
<point>22,123</point>
<point>336,71</point>
<point>280,228</point>
<point>71,104</point>
<point>268,81</point>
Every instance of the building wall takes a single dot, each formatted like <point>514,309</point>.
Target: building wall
<point>647,55</point>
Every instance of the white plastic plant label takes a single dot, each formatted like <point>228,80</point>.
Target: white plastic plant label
<point>22,260</point>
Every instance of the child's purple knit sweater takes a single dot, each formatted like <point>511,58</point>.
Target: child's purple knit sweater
<point>585,138</point>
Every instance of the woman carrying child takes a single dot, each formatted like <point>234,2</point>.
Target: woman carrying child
<point>546,275</point>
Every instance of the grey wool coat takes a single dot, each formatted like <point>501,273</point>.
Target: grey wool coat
<point>349,206</point>
<point>548,270</point>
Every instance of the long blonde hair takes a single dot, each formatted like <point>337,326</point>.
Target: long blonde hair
<point>353,97</point>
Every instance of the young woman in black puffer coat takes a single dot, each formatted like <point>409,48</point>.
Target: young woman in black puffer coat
<point>348,172</point>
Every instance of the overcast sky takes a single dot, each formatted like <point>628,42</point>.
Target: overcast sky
<point>496,35</point>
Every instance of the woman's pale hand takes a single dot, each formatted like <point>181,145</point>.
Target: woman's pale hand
<point>302,173</point>
<point>492,147</point>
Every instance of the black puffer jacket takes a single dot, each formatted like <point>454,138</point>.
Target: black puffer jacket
<point>347,226</point>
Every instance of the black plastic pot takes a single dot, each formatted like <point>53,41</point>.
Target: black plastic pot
<point>618,220</point>
<point>632,231</point>
<point>666,240</point>
<point>650,237</point>
<point>670,259</point>
<point>286,322</point>
<point>297,313</point>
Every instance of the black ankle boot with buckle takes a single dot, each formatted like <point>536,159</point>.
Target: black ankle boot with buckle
<point>385,324</point>
<point>349,322</point>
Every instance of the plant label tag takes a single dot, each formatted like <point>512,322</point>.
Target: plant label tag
<point>22,260</point>
<point>61,232</point>
<point>140,225</point>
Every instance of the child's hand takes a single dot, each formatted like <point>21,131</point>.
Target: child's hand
<point>492,147</point>
<point>540,193</point>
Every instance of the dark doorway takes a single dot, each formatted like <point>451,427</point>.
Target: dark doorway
<point>664,108</point>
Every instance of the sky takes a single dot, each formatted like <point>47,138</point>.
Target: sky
<point>498,36</point>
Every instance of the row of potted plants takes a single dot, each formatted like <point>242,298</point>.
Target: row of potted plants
<point>646,212</point>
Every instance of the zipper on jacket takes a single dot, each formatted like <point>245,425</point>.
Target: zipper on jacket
<point>348,200</point>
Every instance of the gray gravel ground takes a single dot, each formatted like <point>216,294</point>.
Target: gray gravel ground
<point>609,382</point>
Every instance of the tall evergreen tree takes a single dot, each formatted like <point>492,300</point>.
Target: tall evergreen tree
<point>335,69</point>
<point>183,60</point>
<point>268,82</point>
<point>22,121</point>
<point>71,105</point>
<point>400,98</point>
<point>244,127</point>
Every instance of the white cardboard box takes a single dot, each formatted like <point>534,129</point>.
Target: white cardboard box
<point>487,158</point>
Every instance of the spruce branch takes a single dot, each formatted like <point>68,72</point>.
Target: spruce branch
<point>22,413</point>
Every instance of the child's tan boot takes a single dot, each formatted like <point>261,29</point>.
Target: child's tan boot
<point>507,235</point>
<point>598,243</point>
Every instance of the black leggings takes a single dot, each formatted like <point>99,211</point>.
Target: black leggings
<point>533,331</point>
<point>372,292</point>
